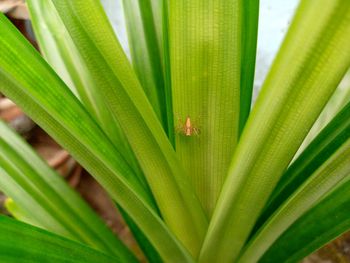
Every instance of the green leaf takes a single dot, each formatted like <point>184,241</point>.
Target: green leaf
<point>323,180</point>
<point>167,71</point>
<point>146,53</point>
<point>61,53</point>
<point>147,248</point>
<point>249,42</point>
<point>48,201</point>
<point>19,213</point>
<point>339,99</point>
<point>333,136</point>
<point>205,54</point>
<point>179,206</point>
<point>318,226</point>
<point>311,62</point>
<point>27,79</point>
<point>24,243</point>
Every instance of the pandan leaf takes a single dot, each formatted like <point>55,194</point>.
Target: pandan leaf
<point>317,227</point>
<point>310,64</point>
<point>118,83</point>
<point>48,201</point>
<point>27,79</point>
<point>20,242</point>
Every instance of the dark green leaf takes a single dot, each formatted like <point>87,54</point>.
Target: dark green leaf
<point>336,133</point>
<point>47,200</point>
<point>146,52</point>
<point>318,226</point>
<point>23,243</point>
<point>249,42</point>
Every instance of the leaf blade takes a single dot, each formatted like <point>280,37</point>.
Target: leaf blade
<point>35,187</point>
<point>321,148</point>
<point>333,210</point>
<point>72,127</point>
<point>18,240</point>
<point>61,53</point>
<point>322,181</point>
<point>146,53</point>
<point>278,122</point>
<point>249,43</point>
<point>118,83</point>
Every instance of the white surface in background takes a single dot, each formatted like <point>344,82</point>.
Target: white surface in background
<point>275,16</point>
<point>114,11</point>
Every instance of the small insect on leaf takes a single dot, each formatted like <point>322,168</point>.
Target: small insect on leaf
<point>187,128</point>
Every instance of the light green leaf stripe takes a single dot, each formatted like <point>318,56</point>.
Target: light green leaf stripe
<point>61,53</point>
<point>205,47</point>
<point>312,61</point>
<point>27,79</point>
<point>52,204</point>
<point>179,206</point>
<point>23,243</point>
<point>333,171</point>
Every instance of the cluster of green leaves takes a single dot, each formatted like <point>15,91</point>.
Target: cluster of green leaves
<point>231,193</point>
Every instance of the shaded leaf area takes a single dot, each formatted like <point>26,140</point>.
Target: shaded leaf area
<point>330,174</point>
<point>146,52</point>
<point>250,19</point>
<point>35,187</point>
<point>151,254</point>
<point>332,219</point>
<point>24,243</point>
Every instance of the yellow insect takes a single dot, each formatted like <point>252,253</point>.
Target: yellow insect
<point>187,128</point>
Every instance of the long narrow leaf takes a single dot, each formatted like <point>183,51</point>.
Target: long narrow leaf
<point>167,71</point>
<point>310,64</point>
<point>146,53</point>
<point>52,204</point>
<point>109,66</point>
<point>61,53</point>
<point>23,243</point>
<point>27,79</point>
<point>19,213</point>
<point>205,54</point>
<point>333,171</point>
<point>249,42</point>
<point>147,248</point>
<point>332,219</point>
<point>339,99</point>
<point>325,144</point>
